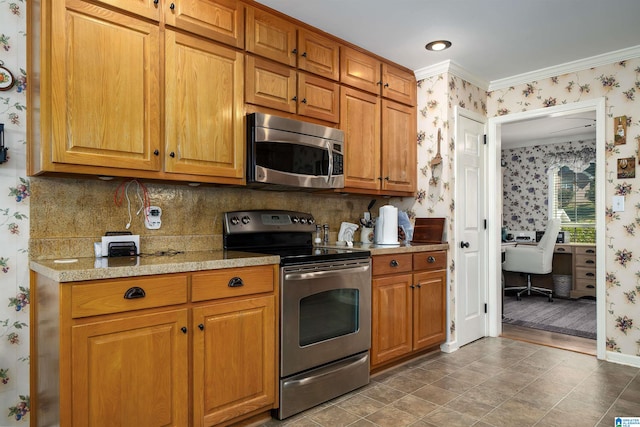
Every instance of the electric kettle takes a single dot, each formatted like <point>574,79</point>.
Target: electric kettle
<point>386,229</point>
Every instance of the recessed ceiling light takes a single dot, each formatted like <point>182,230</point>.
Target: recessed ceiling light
<point>438,45</point>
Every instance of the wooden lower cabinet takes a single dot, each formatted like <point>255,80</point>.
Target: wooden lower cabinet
<point>409,305</point>
<point>177,350</point>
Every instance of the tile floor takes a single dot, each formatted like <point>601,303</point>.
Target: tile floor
<point>491,382</point>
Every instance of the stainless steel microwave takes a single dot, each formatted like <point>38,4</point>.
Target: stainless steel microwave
<point>291,153</point>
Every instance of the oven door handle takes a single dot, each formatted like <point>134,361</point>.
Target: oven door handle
<point>324,273</point>
<point>329,370</point>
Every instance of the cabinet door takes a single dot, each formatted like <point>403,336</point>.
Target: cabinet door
<point>204,108</point>
<point>399,85</point>
<point>318,55</point>
<point>221,20</point>
<point>131,371</point>
<point>105,89</point>
<point>234,365</point>
<point>318,98</point>
<point>391,318</point>
<point>360,70</point>
<point>271,37</point>
<point>146,8</point>
<point>429,309</point>
<point>360,121</point>
<point>270,84</point>
<point>399,147</point>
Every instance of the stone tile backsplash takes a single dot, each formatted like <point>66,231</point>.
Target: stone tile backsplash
<point>68,214</point>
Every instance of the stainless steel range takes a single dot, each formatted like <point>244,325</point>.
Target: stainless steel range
<point>325,306</point>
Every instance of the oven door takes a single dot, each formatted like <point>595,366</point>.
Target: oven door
<point>325,313</point>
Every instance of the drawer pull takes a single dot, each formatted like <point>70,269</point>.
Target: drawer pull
<point>184,329</point>
<point>135,292</point>
<point>590,261</point>
<point>590,251</point>
<point>590,286</point>
<point>590,274</point>
<point>394,263</point>
<point>560,249</point>
<point>201,327</point>
<point>236,282</point>
<point>431,259</point>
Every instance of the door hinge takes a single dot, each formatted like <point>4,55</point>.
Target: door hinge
<point>485,309</point>
<point>485,224</point>
<point>485,139</point>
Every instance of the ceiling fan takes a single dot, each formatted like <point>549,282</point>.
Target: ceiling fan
<point>588,125</point>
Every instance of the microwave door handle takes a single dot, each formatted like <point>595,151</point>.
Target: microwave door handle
<point>330,161</point>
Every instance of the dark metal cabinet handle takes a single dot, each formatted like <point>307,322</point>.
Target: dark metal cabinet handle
<point>304,100</point>
<point>561,249</point>
<point>201,327</point>
<point>394,263</point>
<point>156,152</point>
<point>184,329</point>
<point>386,178</point>
<point>295,98</point>
<point>590,261</point>
<point>590,251</point>
<point>590,274</point>
<point>172,154</point>
<point>135,292</point>
<point>294,51</point>
<point>386,85</point>
<point>304,54</point>
<point>431,259</point>
<point>379,178</point>
<point>464,245</point>
<point>412,286</point>
<point>379,83</point>
<point>172,6</point>
<point>236,282</point>
<point>590,286</point>
<point>419,285</point>
<point>155,2</point>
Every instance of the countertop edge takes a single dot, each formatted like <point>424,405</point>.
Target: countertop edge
<point>395,249</point>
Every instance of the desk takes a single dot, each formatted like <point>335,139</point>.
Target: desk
<point>577,260</point>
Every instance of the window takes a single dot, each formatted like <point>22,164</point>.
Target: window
<point>572,198</point>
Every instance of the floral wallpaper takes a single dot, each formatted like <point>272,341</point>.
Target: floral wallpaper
<point>14,223</point>
<point>437,97</point>
<point>619,84</point>
<point>525,182</point>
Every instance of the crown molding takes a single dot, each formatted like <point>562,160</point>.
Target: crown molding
<point>568,67</point>
<point>452,68</point>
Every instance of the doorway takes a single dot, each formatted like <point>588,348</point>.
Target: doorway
<point>495,129</point>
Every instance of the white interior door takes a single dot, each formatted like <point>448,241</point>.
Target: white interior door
<point>470,228</point>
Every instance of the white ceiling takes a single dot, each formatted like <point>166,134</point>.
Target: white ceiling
<point>492,39</point>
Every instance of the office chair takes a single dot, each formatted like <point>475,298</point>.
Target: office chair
<point>529,259</point>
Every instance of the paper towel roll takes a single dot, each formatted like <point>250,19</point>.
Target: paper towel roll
<point>387,226</point>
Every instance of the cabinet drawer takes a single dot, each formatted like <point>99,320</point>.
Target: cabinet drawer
<point>585,260</point>
<point>115,296</point>
<point>588,273</point>
<point>231,282</point>
<point>585,250</point>
<point>436,260</point>
<point>586,285</point>
<point>562,249</point>
<point>389,264</point>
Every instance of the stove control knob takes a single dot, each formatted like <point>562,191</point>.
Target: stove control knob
<point>295,219</point>
<point>312,220</point>
<point>234,220</point>
<point>246,220</point>
<point>303,220</point>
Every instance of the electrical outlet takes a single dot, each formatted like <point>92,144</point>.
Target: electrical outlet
<point>152,218</point>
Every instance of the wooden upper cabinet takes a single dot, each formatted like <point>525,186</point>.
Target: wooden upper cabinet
<point>318,55</point>
<point>146,8</point>
<point>270,36</point>
<point>399,85</point>
<point>360,121</point>
<point>103,103</point>
<point>399,147</point>
<point>204,108</point>
<point>318,98</point>
<point>270,84</point>
<point>360,70</point>
<point>221,20</point>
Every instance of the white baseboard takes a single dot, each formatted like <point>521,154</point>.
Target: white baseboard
<point>624,359</point>
<point>449,347</point>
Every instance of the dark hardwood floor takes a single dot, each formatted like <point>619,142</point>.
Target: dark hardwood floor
<point>550,339</point>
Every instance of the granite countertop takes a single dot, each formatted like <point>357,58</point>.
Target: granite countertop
<point>80,269</point>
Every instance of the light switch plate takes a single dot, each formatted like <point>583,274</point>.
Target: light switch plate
<point>618,204</point>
